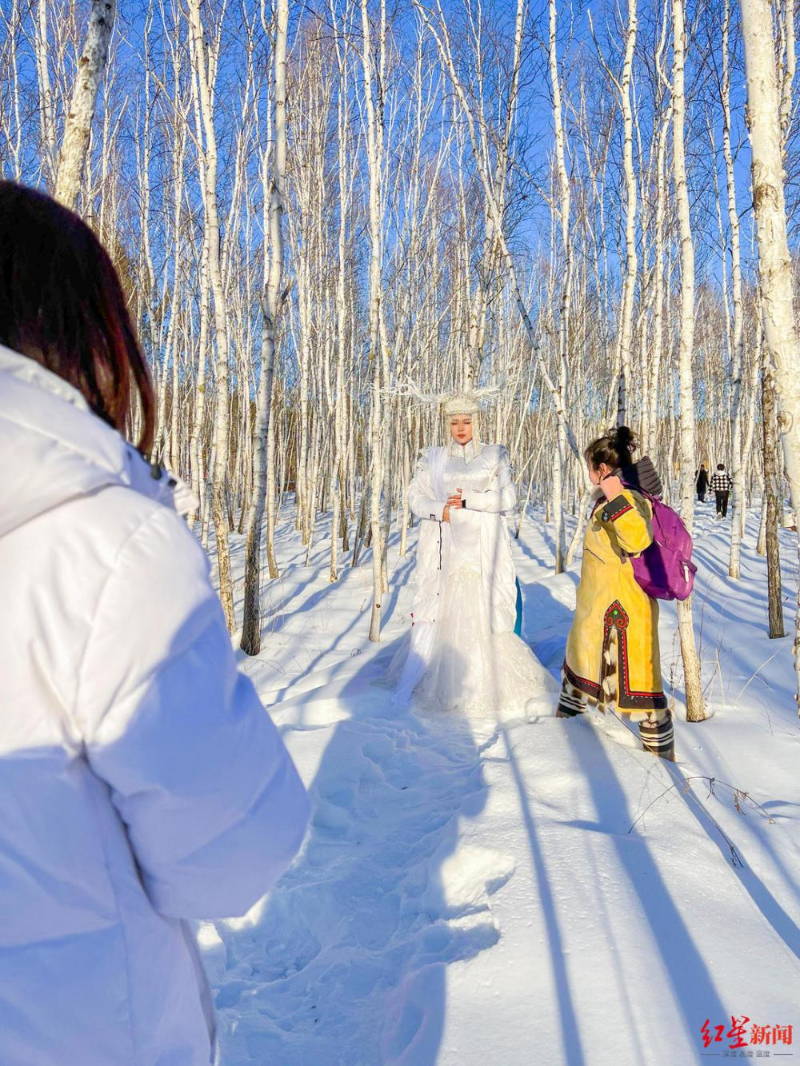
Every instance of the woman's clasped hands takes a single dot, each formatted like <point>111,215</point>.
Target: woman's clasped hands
<point>452,501</point>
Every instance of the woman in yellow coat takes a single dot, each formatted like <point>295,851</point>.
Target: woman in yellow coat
<point>612,656</point>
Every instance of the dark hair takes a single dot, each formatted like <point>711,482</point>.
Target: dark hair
<point>614,448</point>
<point>720,466</point>
<point>62,304</point>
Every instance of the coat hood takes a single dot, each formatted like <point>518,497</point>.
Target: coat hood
<point>53,448</point>
<point>643,476</point>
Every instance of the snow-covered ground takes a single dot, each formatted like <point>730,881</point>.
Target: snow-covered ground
<point>521,893</point>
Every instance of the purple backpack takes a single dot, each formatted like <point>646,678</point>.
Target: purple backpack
<point>665,569</point>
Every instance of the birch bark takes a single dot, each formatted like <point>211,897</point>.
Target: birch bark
<point>46,108</point>
<point>774,262</point>
<point>566,291</point>
<point>695,711</point>
<point>737,347</point>
<point>205,67</point>
<point>374,150</point>
<point>251,627</point>
<point>772,498</point>
<point>78,127</point>
<point>631,255</point>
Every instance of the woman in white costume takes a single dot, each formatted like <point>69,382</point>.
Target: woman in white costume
<point>465,653</point>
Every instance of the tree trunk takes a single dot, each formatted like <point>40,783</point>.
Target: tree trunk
<point>737,348</point>
<point>560,458</point>
<point>695,710</point>
<point>78,128</point>
<point>222,410</point>
<point>772,507</point>
<point>47,122</point>
<point>774,262</point>
<point>251,626</point>
<point>631,257</point>
<point>375,151</point>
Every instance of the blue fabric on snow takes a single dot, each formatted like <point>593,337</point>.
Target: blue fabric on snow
<point>518,623</point>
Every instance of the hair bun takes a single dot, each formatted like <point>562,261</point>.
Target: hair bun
<point>613,449</point>
<point>624,438</point>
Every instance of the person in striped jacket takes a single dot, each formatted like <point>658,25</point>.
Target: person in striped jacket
<point>721,485</point>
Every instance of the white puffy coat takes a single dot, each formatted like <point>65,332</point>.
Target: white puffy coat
<point>489,495</point>
<point>141,781</point>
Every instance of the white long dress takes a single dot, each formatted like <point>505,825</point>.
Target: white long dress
<point>464,654</point>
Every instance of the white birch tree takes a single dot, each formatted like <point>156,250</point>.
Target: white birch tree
<point>205,66</point>
<point>695,709</point>
<point>271,301</point>
<point>78,126</point>
<point>774,261</point>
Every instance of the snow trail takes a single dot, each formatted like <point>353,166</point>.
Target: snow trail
<point>375,898</point>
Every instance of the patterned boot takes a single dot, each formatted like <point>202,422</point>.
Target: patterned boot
<point>658,734</point>
<point>572,701</point>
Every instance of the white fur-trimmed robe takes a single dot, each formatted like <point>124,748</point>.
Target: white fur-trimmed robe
<point>484,465</point>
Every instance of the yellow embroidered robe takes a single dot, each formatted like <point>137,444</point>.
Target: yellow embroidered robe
<point>610,599</point>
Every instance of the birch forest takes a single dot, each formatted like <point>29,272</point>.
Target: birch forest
<point>313,206</point>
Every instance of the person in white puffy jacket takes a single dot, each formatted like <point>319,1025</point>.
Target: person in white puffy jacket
<point>141,781</point>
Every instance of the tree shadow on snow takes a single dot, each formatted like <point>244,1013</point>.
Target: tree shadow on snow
<point>694,991</point>
<point>358,623</point>
<point>783,924</point>
<point>571,1044</point>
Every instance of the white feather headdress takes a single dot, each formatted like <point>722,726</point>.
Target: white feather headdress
<point>464,403</point>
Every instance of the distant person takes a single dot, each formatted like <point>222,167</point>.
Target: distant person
<point>613,657</point>
<point>721,485</point>
<point>141,780</point>
<point>702,483</point>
